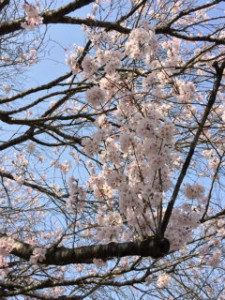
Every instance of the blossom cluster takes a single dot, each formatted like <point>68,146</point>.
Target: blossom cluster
<point>215,258</point>
<point>71,59</point>
<point>77,194</point>
<point>38,255</point>
<point>182,222</point>
<point>195,191</point>
<point>64,167</point>
<point>33,18</point>
<point>95,96</point>
<point>137,156</point>
<point>163,280</point>
<point>140,43</point>
<point>6,245</point>
<point>136,164</point>
<point>111,59</point>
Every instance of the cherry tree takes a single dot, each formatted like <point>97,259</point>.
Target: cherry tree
<point>112,174</point>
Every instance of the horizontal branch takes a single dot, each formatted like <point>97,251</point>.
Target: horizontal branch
<point>90,22</point>
<point>193,38</point>
<point>60,15</point>
<point>68,8</point>
<point>152,247</point>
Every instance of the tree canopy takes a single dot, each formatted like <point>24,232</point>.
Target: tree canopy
<point>112,175</point>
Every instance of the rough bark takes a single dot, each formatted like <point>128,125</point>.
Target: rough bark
<point>152,247</point>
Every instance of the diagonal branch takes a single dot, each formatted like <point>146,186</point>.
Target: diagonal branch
<point>212,98</point>
<point>68,8</point>
<point>3,3</point>
<point>15,25</point>
<point>89,22</point>
<point>194,9</point>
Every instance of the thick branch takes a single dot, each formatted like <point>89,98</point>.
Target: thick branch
<point>68,8</point>
<point>15,25</point>
<point>153,247</point>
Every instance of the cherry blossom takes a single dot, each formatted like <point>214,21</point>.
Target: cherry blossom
<point>33,19</point>
<point>95,95</point>
<point>163,280</point>
<point>38,255</point>
<point>112,172</point>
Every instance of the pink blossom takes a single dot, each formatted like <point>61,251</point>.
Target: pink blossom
<point>163,280</point>
<point>95,96</point>
<point>33,19</point>
<point>64,167</point>
<point>89,66</point>
<point>220,223</point>
<point>77,194</point>
<point>33,53</point>
<point>6,245</point>
<point>195,191</point>
<point>38,255</point>
<point>215,258</point>
<point>99,262</point>
<point>3,262</point>
<point>71,60</point>
<point>31,147</point>
<point>140,43</point>
<point>6,88</point>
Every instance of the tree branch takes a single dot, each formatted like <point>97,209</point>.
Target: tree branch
<point>3,4</point>
<point>212,98</point>
<point>15,25</point>
<point>89,22</point>
<point>152,247</point>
